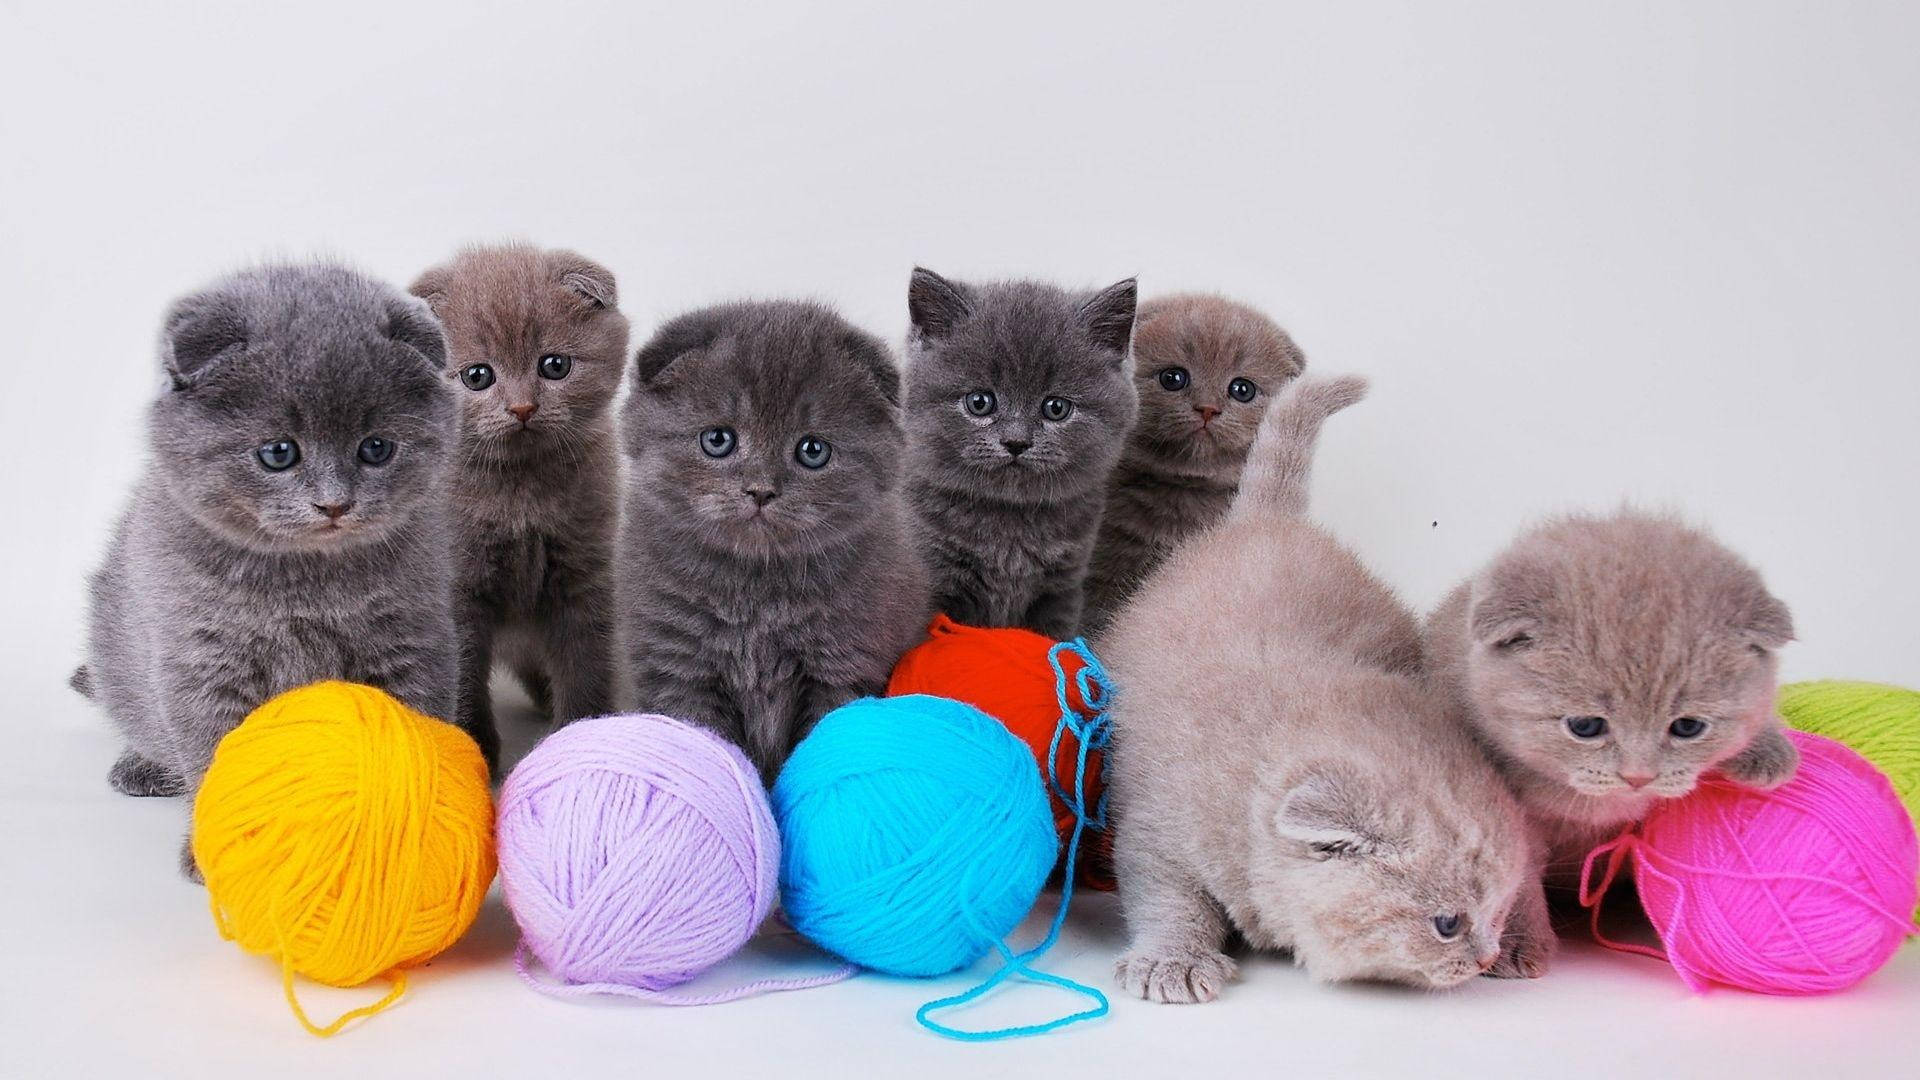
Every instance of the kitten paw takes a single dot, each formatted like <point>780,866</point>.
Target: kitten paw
<point>1768,761</point>
<point>189,867</point>
<point>1523,957</point>
<point>134,775</point>
<point>1180,979</point>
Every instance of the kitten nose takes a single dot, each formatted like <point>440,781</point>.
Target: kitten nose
<point>1016,447</point>
<point>334,511</point>
<point>1638,780</point>
<point>1487,961</point>
<point>761,496</point>
<point>523,413</point>
<point>1207,413</point>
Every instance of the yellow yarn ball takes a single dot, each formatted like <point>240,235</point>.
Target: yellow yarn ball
<point>1880,723</point>
<point>345,836</point>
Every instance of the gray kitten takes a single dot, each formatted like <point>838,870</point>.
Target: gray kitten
<point>1281,769</point>
<point>1019,400</point>
<point>537,345</point>
<point>1606,662</point>
<point>767,545</point>
<point>290,524</point>
<point>1206,369</point>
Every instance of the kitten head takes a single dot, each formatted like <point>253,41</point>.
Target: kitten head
<point>1206,369</point>
<point>1404,882</point>
<point>1018,387</point>
<point>304,408</point>
<point>535,342</point>
<point>1622,656</point>
<point>764,428</point>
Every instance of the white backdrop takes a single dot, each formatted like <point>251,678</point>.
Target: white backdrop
<point>1643,253</point>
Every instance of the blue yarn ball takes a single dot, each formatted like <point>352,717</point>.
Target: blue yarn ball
<point>915,833</point>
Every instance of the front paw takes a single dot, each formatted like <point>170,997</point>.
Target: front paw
<point>1767,762</point>
<point>1178,978</point>
<point>189,866</point>
<point>134,775</point>
<point>1524,956</point>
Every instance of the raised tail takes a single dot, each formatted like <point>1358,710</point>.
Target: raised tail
<point>1275,480</point>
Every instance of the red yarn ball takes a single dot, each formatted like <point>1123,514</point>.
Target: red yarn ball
<point>1004,672</point>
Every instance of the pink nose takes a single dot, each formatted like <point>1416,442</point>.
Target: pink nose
<point>523,413</point>
<point>1207,413</point>
<point>1636,781</point>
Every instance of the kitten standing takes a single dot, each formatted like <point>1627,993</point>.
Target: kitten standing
<point>767,547</point>
<point>1019,400</point>
<point>1281,769</point>
<point>289,526</point>
<point>1206,369</point>
<point>536,343</point>
<point>1605,663</point>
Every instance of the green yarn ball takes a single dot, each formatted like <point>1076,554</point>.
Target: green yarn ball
<point>1880,723</point>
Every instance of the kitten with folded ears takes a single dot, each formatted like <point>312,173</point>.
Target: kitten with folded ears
<point>767,549</point>
<point>1206,369</point>
<point>1281,769</point>
<point>290,523</point>
<point>1606,663</point>
<point>1019,400</point>
<point>536,345</point>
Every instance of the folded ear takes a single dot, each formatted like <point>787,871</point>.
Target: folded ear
<point>591,281</point>
<point>877,360</point>
<point>199,330</point>
<point>433,287</point>
<point>1332,811</point>
<point>935,305</point>
<point>683,335</point>
<point>1109,315</point>
<point>1507,606</point>
<point>412,323</point>
<point>1766,620</point>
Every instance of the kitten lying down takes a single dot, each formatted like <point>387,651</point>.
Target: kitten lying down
<point>1280,768</point>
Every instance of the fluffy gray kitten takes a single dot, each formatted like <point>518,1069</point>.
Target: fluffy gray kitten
<point>1606,663</point>
<point>1281,769</point>
<point>1019,400</point>
<point>1206,368</point>
<point>290,523</point>
<point>767,544</point>
<point>536,344</point>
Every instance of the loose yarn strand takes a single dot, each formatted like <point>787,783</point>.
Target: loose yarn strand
<point>1092,733</point>
<point>523,961</point>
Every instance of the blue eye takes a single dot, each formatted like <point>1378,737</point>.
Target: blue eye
<point>279,455</point>
<point>718,442</point>
<point>375,450</point>
<point>477,376</point>
<point>1056,409</point>
<point>1687,727</point>
<point>813,452</point>
<point>1242,390</point>
<point>1448,926</point>
<point>981,402</point>
<point>555,366</point>
<point>1586,727</point>
<point>1174,378</point>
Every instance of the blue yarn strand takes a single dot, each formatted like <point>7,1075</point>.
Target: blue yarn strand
<point>1091,733</point>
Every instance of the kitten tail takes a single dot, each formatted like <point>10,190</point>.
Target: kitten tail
<point>82,681</point>
<point>1275,483</point>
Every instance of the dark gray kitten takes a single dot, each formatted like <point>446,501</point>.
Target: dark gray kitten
<point>537,344</point>
<point>1019,399</point>
<point>1206,368</point>
<point>767,544</point>
<point>290,523</point>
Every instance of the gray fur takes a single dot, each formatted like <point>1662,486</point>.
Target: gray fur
<point>1281,769</point>
<point>1182,463</point>
<point>1633,617</point>
<point>535,500</point>
<point>1008,536</point>
<point>765,593</point>
<point>225,583</point>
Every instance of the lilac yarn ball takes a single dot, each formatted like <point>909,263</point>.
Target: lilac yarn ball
<point>636,852</point>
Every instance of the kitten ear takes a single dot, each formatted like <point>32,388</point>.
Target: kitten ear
<point>197,331</point>
<point>935,305</point>
<point>1767,621</point>
<point>877,360</point>
<point>684,334</point>
<point>1109,315</point>
<point>433,286</point>
<point>1506,609</point>
<point>1332,812</point>
<point>411,322</point>
<point>593,282</point>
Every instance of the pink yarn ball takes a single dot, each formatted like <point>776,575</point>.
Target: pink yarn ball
<point>1806,889</point>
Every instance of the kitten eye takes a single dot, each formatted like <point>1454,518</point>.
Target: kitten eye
<point>554,366</point>
<point>1687,727</point>
<point>375,450</point>
<point>279,455</point>
<point>981,402</point>
<point>1586,727</point>
<point>1056,409</point>
<point>1174,378</point>
<point>1448,926</point>
<point>1242,390</point>
<point>718,442</point>
<point>477,376</point>
<point>812,451</point>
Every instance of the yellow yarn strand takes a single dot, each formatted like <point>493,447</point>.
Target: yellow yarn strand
<point>345,836</point>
